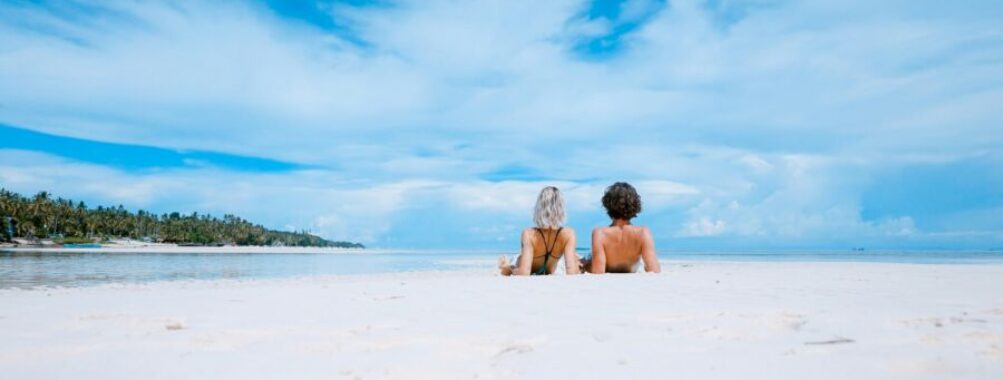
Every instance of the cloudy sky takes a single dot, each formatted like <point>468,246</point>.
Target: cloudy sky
<point>751,124</point>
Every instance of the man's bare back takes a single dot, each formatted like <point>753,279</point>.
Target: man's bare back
<point>619,247</point>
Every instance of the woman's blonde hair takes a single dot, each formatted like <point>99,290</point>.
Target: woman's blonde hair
<point>549,210</point>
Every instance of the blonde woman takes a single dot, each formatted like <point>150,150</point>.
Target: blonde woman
<point>544,245</point>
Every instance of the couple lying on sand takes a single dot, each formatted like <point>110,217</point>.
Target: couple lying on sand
<point>618,248</point>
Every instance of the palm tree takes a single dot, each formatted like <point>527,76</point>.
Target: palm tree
<point>41,216</point>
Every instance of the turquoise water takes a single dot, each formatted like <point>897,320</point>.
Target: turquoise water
<point>34,269</point>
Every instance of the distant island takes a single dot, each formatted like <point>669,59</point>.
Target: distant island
<point>65,222</point>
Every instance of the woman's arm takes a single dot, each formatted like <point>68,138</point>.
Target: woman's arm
<point>571,262</point>
<point>598,253</point>
<point>524,264</point>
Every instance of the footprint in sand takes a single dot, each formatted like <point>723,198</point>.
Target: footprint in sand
<point>967,320</point>
<point>128,321</point>
<point>387,298</point>
<point>515,349</point>
<point>791,321</point>
<point>174,325</point>
<point>836,340</point>
<point>941,322</point>
<point>935,322</point>
<point>602,337</point>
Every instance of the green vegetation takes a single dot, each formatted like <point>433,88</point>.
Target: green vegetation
<point>75,240</point>
<point>73,222</point>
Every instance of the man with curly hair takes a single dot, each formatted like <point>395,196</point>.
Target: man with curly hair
<point>621,246</point>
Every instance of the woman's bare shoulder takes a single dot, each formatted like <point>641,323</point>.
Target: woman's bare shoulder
<point>529,233</point>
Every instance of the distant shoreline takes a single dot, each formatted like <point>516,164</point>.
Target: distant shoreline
<point>183,249</point>
<point>42,221</point>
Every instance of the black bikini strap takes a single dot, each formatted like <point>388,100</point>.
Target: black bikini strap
<point>556,236</point>
<point>549,246</point>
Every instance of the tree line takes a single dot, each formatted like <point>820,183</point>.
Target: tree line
<point>42,217</point>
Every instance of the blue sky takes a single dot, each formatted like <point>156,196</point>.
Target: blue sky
<point>745,124</point>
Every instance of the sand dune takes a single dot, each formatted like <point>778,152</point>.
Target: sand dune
<point>698,320</point>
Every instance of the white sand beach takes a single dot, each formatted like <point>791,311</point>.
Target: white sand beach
<point>697,320</point>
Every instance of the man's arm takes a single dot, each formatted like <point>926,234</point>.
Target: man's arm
<point>571,262</point>
<point>648,253</point>
<point>598,253</point>
<point>524,264</point>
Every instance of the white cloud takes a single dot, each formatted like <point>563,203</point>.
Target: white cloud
<point>704,227</point>
<point>770,127</point>
<point>225,75</point>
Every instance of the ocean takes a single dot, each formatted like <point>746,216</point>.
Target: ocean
<point>32,269</point>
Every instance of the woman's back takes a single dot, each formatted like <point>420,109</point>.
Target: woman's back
<point>548,246</point>
<point>543,246</point>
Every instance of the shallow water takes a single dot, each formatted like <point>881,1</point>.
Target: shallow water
<point>24,269</point>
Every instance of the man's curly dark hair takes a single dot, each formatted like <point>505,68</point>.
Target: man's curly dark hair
<point>621,201</point>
